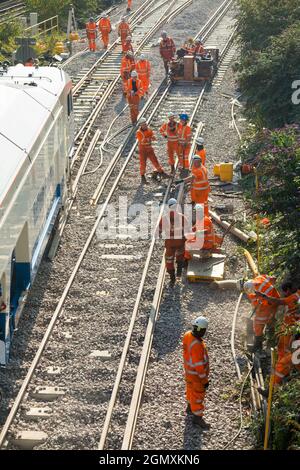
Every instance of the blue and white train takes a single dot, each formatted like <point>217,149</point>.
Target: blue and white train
<point>36,140</point>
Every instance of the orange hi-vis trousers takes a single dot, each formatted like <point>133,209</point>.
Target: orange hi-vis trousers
<point>174,248</point>
<point>146,153</point>
<point>133,102</point>
<point>172,151</point>
<point>283,367</point>
<point>105,37</point>
<point>92,43</point>
<point>183,154</point>
<point>195,394</point>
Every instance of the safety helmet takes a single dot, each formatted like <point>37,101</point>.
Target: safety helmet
<point>197,157</point>
<point>249,287</point>
<point>128,38</point>
<point>123,18</point>
<point>200,323</point>
<point>142,57</point>
<point>197,41</point>
<point>164,33</point>
<point>134,73</point>
<point>172,202</point>
<point>190,40</point>
<point>92,19</point>
<point>143,121</point>
<point>184,117</point>
<point>130,53</point>
<point>200,141</point>
<point>104,15</point>
<point>171,115</point>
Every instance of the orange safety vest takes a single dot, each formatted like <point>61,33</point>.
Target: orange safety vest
<point>184,134</point>
<point>195,355</point>
<point>173,226</point>
<point>166,131</point>
<point>202,155</point>
<point>167,48</point>
<point>262,308</point>
<point>199,50</point>
<point>143,68</point>
<point>200,180</point>
<point>105,25</point>
<point>91,29</point>
<point>292,314</point>
<point>124,30</point>
<point>145,138</point>
<point>139,85</point>
<point>127,65</point>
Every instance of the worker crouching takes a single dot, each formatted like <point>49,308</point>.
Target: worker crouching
<point>172,225</point>
<point>145,137</point>
<point>196,365</point>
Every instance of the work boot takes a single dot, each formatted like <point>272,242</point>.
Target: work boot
<point>172,278</point>
<point>143,180</point>
<point>179,268</point>
<point>257,345</point>
<point>172,168</point>
<point>199,421</point>
<point>188,408</point>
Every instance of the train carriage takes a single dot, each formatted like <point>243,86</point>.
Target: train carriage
<point>36,139</point>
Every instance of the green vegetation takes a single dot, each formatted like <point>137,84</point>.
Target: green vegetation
<point>8,31</point>
<point>269,36</point>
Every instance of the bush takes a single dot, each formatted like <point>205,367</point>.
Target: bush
<point>8,32</point>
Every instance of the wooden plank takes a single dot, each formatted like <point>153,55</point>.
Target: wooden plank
<point>207,269</point>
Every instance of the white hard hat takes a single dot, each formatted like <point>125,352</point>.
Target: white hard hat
<point>134,73</point>
<point>164,33</point>
<point>200,141</point>
<point>142,57</point>
<point>123,18</point>
<point>249,287</point>
<point>170,115</point>
<point>172,202</point>
<point>143,120</point>
<point>104,15</point>
<point>128,38</point>
<point>200,323</point>
<point>130,53</point>
<point>197,157</point>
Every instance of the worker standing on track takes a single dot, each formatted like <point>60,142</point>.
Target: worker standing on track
<point>129,5</point>
<point>184,141</point>
<point>123,30</point>
<point>196,365</point>
<point>134,92</point>
<point>263,311</point>
<point>200,150</point>
<point>172,225</point>
<point>127,66</point>
<point>167,50</point>
<point>127,46</point>
<point>91,32</point>
<point>169,130</point>
<point>143,69</point>
<point>203,236</point>
<point>145,137</point>
<point>199,48</point>
<point>105,29</point>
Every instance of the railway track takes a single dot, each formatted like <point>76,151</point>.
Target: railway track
<point>57,371</point>
<point>11,10</point>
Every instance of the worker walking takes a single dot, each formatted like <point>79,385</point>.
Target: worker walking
<point>196,365</point>
<point>91,32</point>
<point>172,225</point>
<point>203,236</point>
<point>184,141</point>
<point>129,5</point>
<point>263,311</point>
<point>127,46</point>
<point>169,130</point>
<point>200,150</point>
<point>123,30</point>
<point>105,29</point>
<point>143,69</point>
<point>134,92</point>
<point>127,66</point>
<point>167,50</point>
<point>145,137</point>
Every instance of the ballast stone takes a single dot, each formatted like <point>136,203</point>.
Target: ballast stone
<point>29,439</point>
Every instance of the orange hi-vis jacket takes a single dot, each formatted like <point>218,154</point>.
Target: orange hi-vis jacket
<point>173,225</point>
<point>167,48</point>
<point>124,31</point>
<point>264,311</point>
<point>210,238</point>
<point>184,134</point>
<point>199,49</point>
<point>196,363</point>
<point>127,66</point>
<point>172,135</point>
<point>292,314</point>
<point>143,69</point>
<point>200,187</point>
<point>145,138</point>
<point>129,88</point>
<point>105,25</point>
<point>202,155</point>
<point>91,30</point>
<point>127,47</point>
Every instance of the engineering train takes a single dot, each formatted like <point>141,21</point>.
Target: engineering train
<point>36,142</point>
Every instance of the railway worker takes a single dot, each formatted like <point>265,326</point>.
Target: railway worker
<point>105,29</point>
<point>172,226</point>
<point>200,150</point>
<point>196,365</point>
<point>167,50</point>
<point>29,62</point>
<point>123,30</point>
<point>291,314</point>
<point>143,69</point>
<point>200,187</point>
<point>199,48</point>
<point>184,141</point>
<point>127,46</point>
<point>127,66</point>
<point>203,236</point>
<point>169,130</point>
<point>263,311</point>
<point>145,137</point>
<point>91,32</point>
<point>134,92</point>
<point>129,5</point>
<point>189,46</point>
